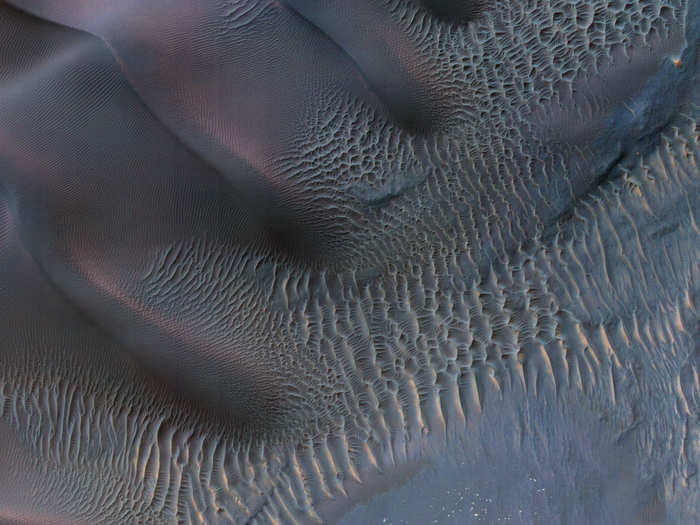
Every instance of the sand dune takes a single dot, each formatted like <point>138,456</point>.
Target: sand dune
<point>369,261</point>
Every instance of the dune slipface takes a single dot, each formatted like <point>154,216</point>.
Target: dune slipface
<point>379,261</point>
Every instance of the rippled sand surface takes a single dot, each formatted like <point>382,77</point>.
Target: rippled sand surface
<point>368,261</point>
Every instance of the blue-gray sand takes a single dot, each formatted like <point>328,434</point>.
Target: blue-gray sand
<point>349,261</point>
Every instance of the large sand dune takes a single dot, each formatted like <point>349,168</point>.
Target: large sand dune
<point>359,261</point>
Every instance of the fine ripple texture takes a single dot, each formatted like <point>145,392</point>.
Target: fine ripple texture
<point>389,261</point>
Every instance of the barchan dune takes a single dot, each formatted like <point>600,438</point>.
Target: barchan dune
<point>349,261</point>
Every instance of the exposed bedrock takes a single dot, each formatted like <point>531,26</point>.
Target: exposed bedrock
<point>315,261</point>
